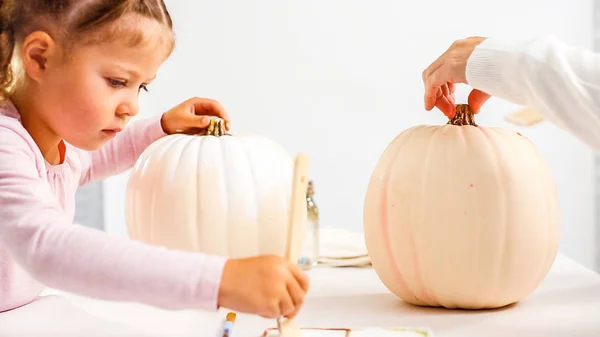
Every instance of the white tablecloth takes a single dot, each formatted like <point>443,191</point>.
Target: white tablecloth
<point>567,304</point>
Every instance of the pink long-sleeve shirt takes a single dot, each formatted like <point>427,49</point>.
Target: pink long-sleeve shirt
<point>40,246</point>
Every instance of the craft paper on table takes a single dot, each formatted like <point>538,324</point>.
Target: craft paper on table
<point>363,332</point>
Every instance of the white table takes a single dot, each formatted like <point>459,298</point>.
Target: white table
<point>567,304</point>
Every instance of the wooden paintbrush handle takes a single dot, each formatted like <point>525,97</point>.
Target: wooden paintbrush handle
<point>296,223</point>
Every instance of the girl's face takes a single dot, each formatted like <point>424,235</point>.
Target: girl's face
<point>90,96</point>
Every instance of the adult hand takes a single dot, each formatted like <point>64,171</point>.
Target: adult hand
<point>192,116</point>
<point>442,75</point>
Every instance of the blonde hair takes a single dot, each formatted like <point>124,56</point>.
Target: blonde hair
<point>68,21</point>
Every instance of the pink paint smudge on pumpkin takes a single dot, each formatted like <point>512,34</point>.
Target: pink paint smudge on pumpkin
<point>419,294</point>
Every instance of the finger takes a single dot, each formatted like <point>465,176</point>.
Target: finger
<point>434,84</point>
<point>205,106</point>
<point>433,80</point>
<point>446,107</point>
<point>476,99</point>
<point>286,305</point>
<point>195,124</point>
<point>452,89</point>
<point>439,93</point>
<point>431,86</point>
<point>431,96</point>
<point>447,94</point>
<point>301,277</point>
<point>433,67</point>
<point>445,91</point>
<point>272,309</point>
<point>200,121</point>
<point>297,295</point>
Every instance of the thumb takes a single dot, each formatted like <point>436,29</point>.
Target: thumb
<point>195,121</point>
<point>199,121</point>
<point>476,99</point>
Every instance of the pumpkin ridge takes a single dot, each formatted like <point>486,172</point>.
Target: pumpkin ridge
<point>549,207</point>
<point>199,208</point>
<point>153,189</point>
<point>174,146</point>
<point>414,226</point>
<point>223,152</point>
<point>551,214</point>
<point>255,188</point>
<point>392,264</point>
<point>533,283</point>
<point>543,266</point>
<point>500,177</point>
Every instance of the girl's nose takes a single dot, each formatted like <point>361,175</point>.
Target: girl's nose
<point>129,109</point>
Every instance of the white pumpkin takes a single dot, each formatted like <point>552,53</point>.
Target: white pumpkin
<point>461,216</point>
<point>215,193</point>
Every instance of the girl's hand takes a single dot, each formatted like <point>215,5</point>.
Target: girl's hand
<point>267,285</point>
<point>191,116</point>
<point>450,68</point>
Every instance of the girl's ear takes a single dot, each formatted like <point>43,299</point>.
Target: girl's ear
<point>38,51</point>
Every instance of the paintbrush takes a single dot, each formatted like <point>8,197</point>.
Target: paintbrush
<point>288,327</point>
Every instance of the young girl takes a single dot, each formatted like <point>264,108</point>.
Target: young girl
<point>77,69</point>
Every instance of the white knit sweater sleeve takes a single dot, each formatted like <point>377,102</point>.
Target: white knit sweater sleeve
<point>560,82</point>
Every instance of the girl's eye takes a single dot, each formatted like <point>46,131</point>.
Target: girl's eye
<point>122,84</point>
<point>116,83</point>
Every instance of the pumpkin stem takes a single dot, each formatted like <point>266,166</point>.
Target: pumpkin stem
<point>216,127</point>
<point>464,116</point>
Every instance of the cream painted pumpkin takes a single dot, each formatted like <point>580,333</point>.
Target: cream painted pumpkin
<point>461,216</point>
<point>213,193</point>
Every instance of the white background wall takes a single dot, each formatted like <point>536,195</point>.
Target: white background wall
<point>340,78</point>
